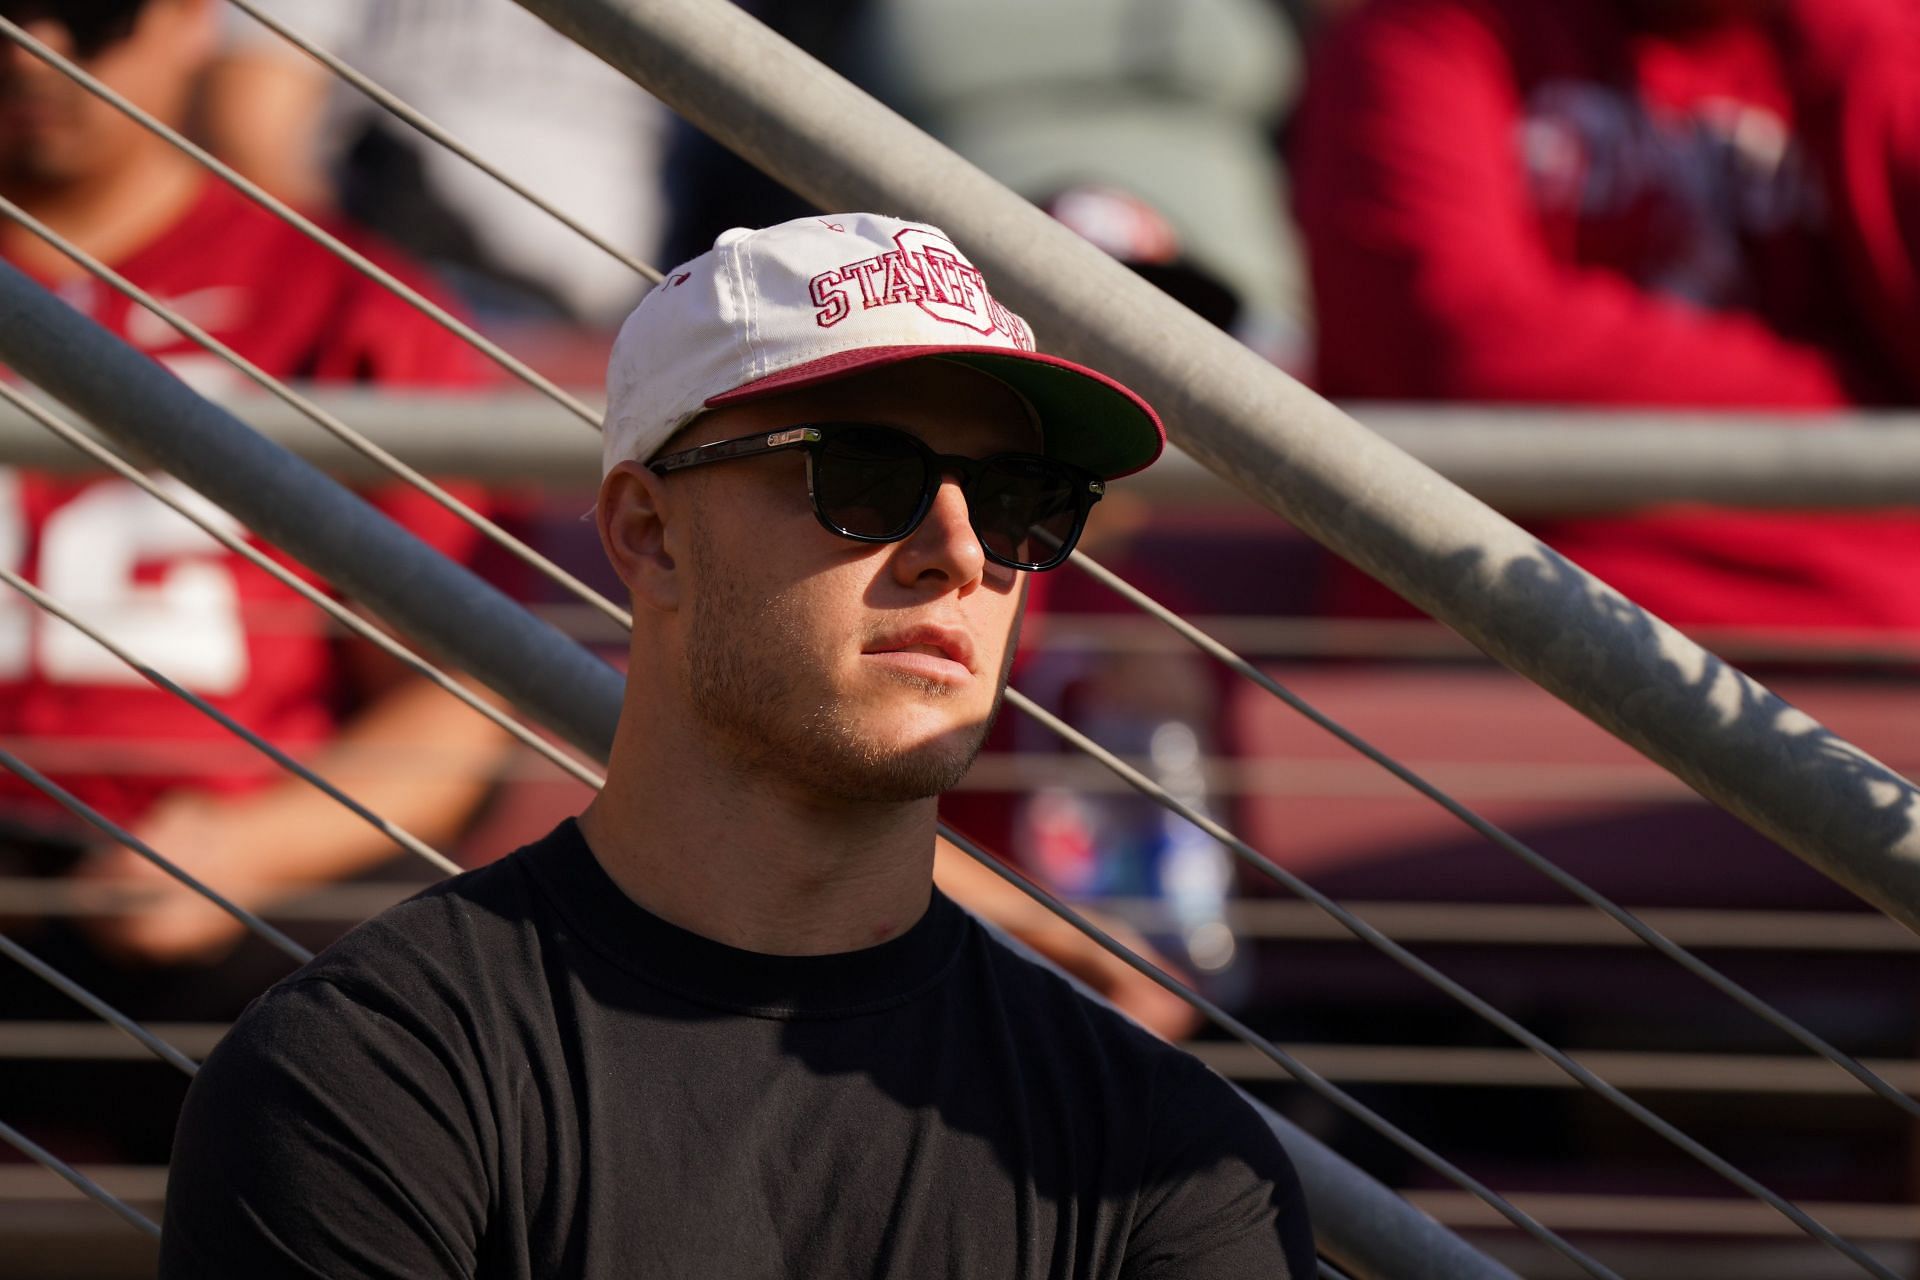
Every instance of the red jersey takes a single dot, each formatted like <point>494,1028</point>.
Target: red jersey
<point>163,588</point>
<point>1513,201</point>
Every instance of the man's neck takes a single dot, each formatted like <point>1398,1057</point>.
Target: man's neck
<point>754,864</point>
<point>112,215</point>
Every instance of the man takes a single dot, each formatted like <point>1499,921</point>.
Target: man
<point>173,595</point>
<point>722,1024</point>
<point>1684,203</point>
<point>179,600</point>
<point>153,581</point>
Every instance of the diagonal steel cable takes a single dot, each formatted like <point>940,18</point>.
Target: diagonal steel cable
<point>306,226</point>
<point>413,116</point>
<point>333,608</point>
<point>320,417</point>
<point>1306,1075</point>
<point>1367,933</point>
<point>86,1185</point>
<point>1512,844</point>
<point>95,1005</point>
<point>392,830</point>
<point>87,813</point>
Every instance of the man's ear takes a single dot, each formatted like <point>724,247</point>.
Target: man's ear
<point>640,530</point>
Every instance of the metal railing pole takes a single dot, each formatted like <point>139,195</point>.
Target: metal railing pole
<point>1722,733</point>
<point>1369,1230</point>
<point>437,603</point>
<point>134,401</point>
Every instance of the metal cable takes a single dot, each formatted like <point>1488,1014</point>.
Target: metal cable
<point>1534,859</point>
<point>94,1004</point>
<point>333,608</point>
<point>413,116</point>
<point>306,226</point>
<point>86,812</point>
<point>80,1180</point>
<point>1366,932</point>
<point>1299,1070</point>
<point>320,417</point>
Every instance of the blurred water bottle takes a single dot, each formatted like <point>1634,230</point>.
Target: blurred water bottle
<point>1193,873</point>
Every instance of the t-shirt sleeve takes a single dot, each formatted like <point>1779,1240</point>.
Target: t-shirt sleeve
<point>325,1137</point>
<point>1222,1201</point>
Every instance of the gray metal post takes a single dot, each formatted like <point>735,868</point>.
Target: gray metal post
<point>1722,733</point>
<point>1367,1230</point>
<point>135,402</point>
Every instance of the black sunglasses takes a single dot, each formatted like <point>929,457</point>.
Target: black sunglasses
<point>94,24</point>
<point>876,484</point>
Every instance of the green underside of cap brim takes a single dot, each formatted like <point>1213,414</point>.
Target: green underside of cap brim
<point>1084,421</point>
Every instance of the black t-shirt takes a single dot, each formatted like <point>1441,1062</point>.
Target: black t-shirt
<point>522,1073</point>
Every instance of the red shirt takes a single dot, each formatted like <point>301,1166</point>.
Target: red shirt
<point>196,612</point>
<point>1513,201</point>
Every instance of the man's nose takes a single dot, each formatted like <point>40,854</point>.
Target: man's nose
<point>944,546</point>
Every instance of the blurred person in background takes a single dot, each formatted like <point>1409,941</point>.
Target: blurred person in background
<point>1673,203</point>
<point>162,588</point>
<point>532,102</point>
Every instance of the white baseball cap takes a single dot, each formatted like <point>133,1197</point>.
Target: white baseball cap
<point>821,298</point>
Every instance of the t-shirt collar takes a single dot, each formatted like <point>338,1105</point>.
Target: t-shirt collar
<point>699,969</point>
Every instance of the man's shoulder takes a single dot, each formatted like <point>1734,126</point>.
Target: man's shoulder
<point>1057,1006</point>
<point>1214,1175</point>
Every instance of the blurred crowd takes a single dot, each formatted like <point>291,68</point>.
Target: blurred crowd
<point>1705,203</point>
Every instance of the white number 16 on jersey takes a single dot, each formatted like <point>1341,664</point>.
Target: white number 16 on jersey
<point>185,622</point>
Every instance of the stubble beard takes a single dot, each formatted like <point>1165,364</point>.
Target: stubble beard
<point>748,673</point>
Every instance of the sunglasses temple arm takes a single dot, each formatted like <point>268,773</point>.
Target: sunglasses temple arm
<point>738,447</point>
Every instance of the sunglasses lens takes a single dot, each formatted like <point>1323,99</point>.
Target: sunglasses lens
<point>1026,510</point>
<point>869,481</point>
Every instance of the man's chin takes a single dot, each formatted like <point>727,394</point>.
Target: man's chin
<point>900,767</point>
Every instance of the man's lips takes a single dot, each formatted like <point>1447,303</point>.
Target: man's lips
<point>944,645</point>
